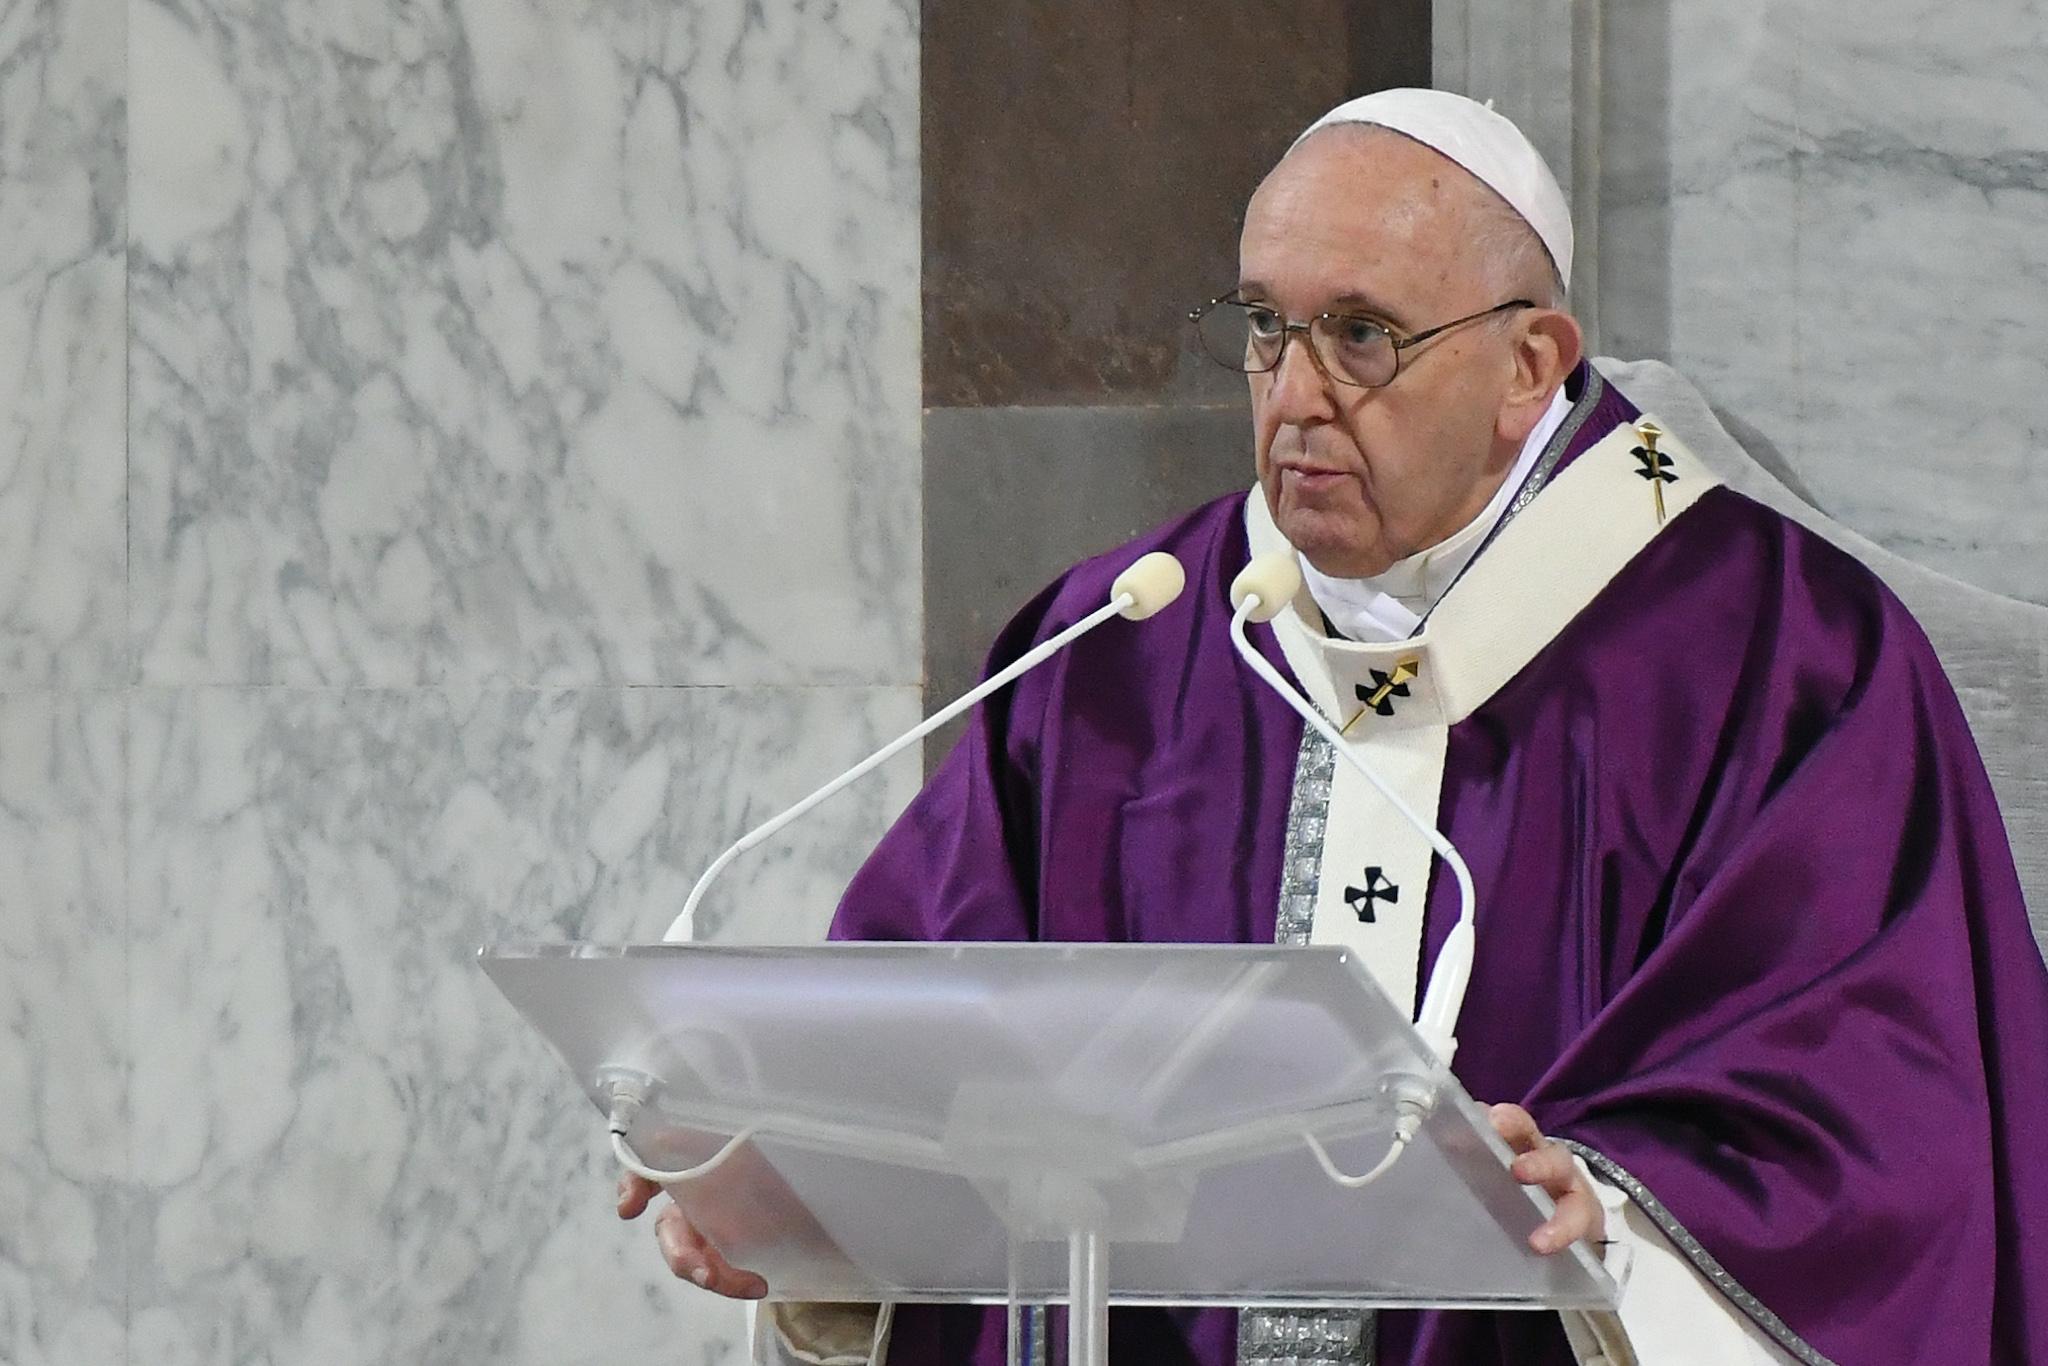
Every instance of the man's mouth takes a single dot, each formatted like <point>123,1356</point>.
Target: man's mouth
<point>1311,477</point>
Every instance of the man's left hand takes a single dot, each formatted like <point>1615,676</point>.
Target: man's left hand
<point>1540,1161</point>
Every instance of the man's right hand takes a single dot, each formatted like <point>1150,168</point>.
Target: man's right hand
<point>683,1248</point>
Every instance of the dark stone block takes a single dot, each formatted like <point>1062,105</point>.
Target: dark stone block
<point>1013,496</point>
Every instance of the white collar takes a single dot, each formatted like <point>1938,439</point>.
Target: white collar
<point>1391,604</point>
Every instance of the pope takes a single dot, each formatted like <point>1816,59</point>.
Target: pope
<point>1754,986</point>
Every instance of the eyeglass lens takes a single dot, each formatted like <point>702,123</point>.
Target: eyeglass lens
<point>1250,338</point>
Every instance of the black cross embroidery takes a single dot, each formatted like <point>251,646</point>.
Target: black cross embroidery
<point>1376,888</point>
<point>1656,465</point>
<point>1385,688</point>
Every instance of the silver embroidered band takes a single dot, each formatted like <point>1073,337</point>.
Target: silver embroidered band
<point>1308,819</point>
<point>1546,464</point>
<point>1345,1337</point>
<point>1703,1261</point>
<point>1304,1337</point>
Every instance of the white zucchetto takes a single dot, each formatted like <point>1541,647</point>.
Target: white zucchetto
<point>1484,143</point>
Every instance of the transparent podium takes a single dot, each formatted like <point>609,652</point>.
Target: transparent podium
<point>1047,1123</point>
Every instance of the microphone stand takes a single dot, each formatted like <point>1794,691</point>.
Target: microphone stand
<point>1150,583</point>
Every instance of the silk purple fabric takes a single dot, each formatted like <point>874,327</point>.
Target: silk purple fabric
<point>1749,922</point>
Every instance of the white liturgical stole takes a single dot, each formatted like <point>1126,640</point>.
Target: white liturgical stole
<point>1396,700</point>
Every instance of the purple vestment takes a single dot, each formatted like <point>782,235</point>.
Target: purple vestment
<point>1749,926</point>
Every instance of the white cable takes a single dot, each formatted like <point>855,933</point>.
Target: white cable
<point>1394,1150</point>
<point>629,1097</point>
<point>633,1164</point>
<point>1445,995</point>
<point>1151,582</point>
<point>1410,1110</point>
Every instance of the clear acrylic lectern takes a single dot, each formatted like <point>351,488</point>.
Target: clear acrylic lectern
<point>1089,1124</point>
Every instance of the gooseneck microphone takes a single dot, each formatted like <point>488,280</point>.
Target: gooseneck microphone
<point>1151,582</point>
<point>1259,593</point>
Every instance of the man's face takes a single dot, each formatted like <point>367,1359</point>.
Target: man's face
<point>1374,224</point>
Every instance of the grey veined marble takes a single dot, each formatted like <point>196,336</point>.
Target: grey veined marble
<point>63,529</point>
<point>458,469</point>
<point>1835,220</point>
<point>65,1052</point>
<point>523,342</point>
<point>257,1104</point>
<point>345,1147</point>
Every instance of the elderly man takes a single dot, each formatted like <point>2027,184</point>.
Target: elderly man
<point>1754,970</point>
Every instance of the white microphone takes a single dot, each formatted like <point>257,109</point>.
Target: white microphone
<point>1151,582</point>
<point>1259,593</point>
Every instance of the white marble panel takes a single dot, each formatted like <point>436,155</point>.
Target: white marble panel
<point>1923,421</point>
<point>64,968</point>
<point>1967,94</point>
<point>1699,229</point>
<point>346,1146</point>
<point>1924,226</point>
<point>63,532</point>
<point>1833,219</point>
<point>525,343</point>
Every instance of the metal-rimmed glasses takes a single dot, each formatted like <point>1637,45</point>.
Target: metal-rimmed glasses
<point>1241,335</point>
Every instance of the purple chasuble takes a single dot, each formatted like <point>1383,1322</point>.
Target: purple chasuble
<point>1749,928</point>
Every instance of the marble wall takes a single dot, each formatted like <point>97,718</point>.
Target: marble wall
<point>65,961</point>
<point>1835,220</point>
<point>517,497</point>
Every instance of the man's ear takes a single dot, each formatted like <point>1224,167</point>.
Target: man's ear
<point>1547,347</point>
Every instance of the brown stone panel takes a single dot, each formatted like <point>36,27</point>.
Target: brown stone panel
<point>1390,44</point>
<point>1085,168</point>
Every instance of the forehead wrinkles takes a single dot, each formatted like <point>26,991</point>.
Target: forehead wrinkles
<point>1370,195</point>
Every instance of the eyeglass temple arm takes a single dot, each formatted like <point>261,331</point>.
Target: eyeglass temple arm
<point>1403,343</point>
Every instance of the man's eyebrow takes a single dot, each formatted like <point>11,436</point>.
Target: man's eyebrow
<point>1366,304</point>
<point>1351,301</point>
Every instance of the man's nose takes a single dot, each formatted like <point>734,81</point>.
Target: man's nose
<point>1301,391</point>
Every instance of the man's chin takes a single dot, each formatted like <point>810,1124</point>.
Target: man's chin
<point>1329,544</point>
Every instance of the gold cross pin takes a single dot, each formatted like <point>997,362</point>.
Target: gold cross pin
<point>1656,465</point>
<point>1387,687</point>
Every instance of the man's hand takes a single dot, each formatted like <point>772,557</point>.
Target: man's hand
<point>683,1248</point>
<point>1542,1162</point>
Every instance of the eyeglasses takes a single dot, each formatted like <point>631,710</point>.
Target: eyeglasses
<point>1250,337</point>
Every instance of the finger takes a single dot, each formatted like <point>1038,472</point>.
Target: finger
<point>1549,1166</point>
<point>634,1194</point>
<point>693,1259</point>
<point>1578,1215</point>
<point>1516,1127</point>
